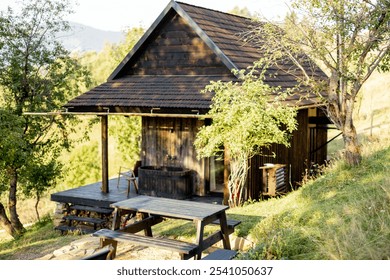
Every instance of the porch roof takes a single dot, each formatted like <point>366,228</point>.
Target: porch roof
<point>141,94</point>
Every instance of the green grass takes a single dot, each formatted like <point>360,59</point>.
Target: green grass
<point>343,214</point>
<point>39,240</point>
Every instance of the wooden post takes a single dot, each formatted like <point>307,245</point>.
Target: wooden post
<point>226,173</point>
<point>104,128</point>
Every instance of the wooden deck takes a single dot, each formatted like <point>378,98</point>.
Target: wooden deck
<point>92,194</point>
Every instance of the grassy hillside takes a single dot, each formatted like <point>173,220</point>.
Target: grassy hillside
<point>343,214</point>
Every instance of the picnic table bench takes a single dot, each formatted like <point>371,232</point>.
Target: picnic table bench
<point>154,210</point>
<point>185,249</point>
<point>221,254</point>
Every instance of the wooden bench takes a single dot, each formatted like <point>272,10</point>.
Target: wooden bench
<point>104,253</point>
<point>185,249</point>
<point>221,254</point>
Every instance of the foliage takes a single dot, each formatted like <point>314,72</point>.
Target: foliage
<point>244,12</point>
<point>84,168</point>
<point>127,132</point>
<point>103,63</point>
<point>247,116</point>
<point>38,75</point>
<point>349,39</point>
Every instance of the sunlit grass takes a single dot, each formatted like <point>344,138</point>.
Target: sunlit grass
<point>38,241</point>
<point>343,214</point>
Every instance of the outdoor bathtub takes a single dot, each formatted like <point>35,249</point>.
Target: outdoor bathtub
<point>165,181</point>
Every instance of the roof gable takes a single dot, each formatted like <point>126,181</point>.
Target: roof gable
<point>174,49</point>
<point>172,16</point>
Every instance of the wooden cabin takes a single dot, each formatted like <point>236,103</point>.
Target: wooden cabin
<point>161,80</point>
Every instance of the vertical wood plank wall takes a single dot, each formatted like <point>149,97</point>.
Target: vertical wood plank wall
<point>170,142</point>
<point>177,50</point>
<point>296,155</point>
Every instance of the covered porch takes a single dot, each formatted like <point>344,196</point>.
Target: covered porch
<point>92,195</point>
<point>87,208</point>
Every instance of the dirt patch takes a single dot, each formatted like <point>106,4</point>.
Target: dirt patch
<point>125,251</point>
<point>88,245</point>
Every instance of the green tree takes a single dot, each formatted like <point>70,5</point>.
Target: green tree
<point>127,131</point>
<point>244,12</point>
<point>37,75</point>
<point>102,64</point>
<point>245,120</point>
<point>350,39</point>
<point>84,168</point>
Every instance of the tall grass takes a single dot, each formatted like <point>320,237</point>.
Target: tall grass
<point>343,214</point>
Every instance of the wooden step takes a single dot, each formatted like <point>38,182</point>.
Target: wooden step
<point>92,209</point>
<point>65,229</point>
<point>162,243</point>
<point>95,221</point>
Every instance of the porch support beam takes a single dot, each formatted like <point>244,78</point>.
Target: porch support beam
<point>104,143</point>
<point>226,173</point>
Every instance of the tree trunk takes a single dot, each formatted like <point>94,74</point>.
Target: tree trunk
<point>340,111</point>
<point>352,148</point>
<point>36,206</point>
<point>237,180</point>
<point>14,217</point>
<point>6,223</point>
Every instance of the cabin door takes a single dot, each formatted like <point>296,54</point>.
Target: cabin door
<point>216,175</point>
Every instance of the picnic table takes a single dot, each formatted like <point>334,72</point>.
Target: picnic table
<point>154,210</point>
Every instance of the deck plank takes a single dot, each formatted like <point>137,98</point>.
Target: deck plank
<point>92,195</point>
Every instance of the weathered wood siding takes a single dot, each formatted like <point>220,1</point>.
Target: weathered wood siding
<point>318,139</point>
<point>298,157</point>
<point>294,157</point>
<point>176,49</point>
<point>170,142</point>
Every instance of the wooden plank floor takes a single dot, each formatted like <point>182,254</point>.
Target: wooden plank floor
<point>92,195</point>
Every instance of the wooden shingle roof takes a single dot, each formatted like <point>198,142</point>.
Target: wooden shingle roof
<point>184,49</point>
<point>140,94</point>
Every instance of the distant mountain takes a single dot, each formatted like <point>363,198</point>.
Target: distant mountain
<point>85,38</point>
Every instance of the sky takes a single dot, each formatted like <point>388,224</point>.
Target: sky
<point>118,15</point>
